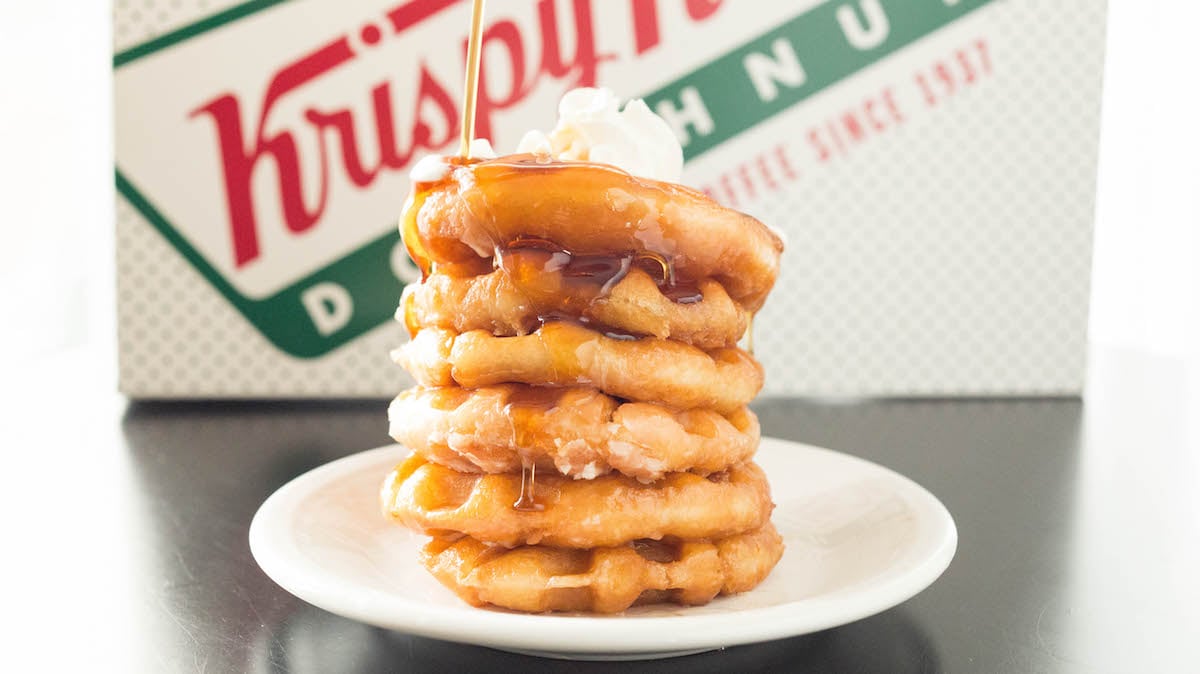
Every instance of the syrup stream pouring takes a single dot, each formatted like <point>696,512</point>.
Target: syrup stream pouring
<point>471,81</point>
<point>527,500</point>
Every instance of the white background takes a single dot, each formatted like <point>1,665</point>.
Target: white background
<point>56,177</point>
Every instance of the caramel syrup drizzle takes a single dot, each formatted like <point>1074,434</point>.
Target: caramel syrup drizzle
<point>582,279</point>
<point>602,270</point>
<point>595,273</point>
<point>527,501</point>
<point>525,409</point>
<point>585,279</point>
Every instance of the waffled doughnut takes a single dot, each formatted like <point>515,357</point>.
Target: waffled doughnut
<point>606,511</point>
<point>603,580</point>
<point>561,354</point>
<point>590,209</point>
<point>507,304</point>
<point>577,432</point>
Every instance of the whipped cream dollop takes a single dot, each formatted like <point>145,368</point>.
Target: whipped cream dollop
<point>434,167</point>
<point>592,127</point>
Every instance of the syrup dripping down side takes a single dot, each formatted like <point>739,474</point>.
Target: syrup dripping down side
<point>527,501</point>
<point>568,285</point>
<point>526,407</point>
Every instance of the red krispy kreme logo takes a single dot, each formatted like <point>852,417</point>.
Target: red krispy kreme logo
<point>343,139</point>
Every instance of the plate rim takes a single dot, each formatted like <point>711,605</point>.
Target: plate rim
<point>584,635</point>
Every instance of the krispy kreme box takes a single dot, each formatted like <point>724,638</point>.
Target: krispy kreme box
<point>931,162</point>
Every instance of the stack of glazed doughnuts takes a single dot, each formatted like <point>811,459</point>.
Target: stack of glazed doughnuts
<point>579,431</point>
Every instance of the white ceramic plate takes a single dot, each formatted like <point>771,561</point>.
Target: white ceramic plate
<point>860,539</point>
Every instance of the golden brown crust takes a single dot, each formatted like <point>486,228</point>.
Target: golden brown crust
<point>497,304</point>
<point>597,209</point>
<point>606,511</point>
<point>560,354</point>
<point>582,433</point>
<point>581,436</point>
<point>603,580</point>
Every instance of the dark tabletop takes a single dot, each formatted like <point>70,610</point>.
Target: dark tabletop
<point>1079,541</point>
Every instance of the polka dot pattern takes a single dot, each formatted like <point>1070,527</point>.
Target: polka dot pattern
<point>136,21</point>
<point>179,338</point>
<point>950,258</point>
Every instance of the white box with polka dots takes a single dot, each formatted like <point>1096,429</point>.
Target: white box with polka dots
<point>932,164</point>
